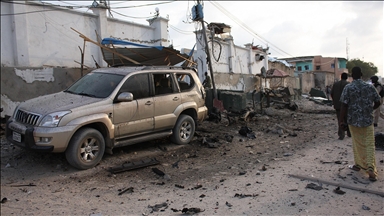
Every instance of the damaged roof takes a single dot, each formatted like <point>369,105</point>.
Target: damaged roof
<point>273,59</point>
<point>139,54</point>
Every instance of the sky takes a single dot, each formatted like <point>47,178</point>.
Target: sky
<point>343,29</point>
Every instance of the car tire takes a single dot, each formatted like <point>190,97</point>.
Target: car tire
<point>184,130</point>
<point>86,148</point>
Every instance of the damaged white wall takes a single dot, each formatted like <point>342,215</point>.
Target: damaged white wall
<point>234,67</point>
<point>34,43</point>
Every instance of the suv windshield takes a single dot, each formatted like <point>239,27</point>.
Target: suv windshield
<point>99,85</point>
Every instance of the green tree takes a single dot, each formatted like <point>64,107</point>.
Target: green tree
<point>368,68</point>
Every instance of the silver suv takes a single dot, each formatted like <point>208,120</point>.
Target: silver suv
<point>108,108</point>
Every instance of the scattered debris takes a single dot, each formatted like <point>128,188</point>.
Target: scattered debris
<point>314,186</point>
<point>366,208</point>
<point>281,130</point>
<point>247,132</point>
<point>122,191</point>
<point>202,196</point>
<point>228,138</point>
<point>214,115</point>
<point>191,210</point>
<point>159,207</point>
<point>228,204</point>
<point>134,165</point>
<point>23,185</point>
<point>158,172</point>
<point>245,195</point>
<point>4,200</point>
<point>338,191</point>
<point>358,180</point>
<point>264,168</point>
<point>211,143</point>
<point>176,164</point>
<point>196,187</point>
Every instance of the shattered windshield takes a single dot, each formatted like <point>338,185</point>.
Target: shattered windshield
<point>99,85</point>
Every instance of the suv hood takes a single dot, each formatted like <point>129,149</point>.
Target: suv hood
<point>60,101</point>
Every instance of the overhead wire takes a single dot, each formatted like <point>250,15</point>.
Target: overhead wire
<point>54,8</point>
<point>243,25</point>
<point>148,17</point>
<point>151,4</point>
<point>181,31</point>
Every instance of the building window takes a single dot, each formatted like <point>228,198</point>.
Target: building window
<point>317,67</point>
<point>306,67</point>
<point>332,65</point>
<point>299,68</point>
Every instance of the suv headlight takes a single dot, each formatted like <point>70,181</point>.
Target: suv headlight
<point>53,119</point>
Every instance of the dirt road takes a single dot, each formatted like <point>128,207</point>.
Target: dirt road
<point>246,176</point>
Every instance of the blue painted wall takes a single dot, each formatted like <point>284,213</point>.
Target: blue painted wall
<point>303,64</point>
<point>342,63</point>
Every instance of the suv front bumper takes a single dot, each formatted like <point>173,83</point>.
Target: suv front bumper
<point>27,137</point>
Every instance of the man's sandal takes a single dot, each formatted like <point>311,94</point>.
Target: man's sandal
<point>354,167</point>
<point>372,177</point>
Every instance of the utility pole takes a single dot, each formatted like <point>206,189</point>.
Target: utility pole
<point>347,49</point>
<point>208,56</point>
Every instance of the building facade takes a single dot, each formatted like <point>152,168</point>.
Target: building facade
<point>317,71</point>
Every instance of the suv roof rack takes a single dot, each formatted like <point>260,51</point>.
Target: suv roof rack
<point>168,67</point>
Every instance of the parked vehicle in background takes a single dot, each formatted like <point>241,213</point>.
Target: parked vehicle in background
<point>108,108</point>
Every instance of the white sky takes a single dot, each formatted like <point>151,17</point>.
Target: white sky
<point>290,28</point>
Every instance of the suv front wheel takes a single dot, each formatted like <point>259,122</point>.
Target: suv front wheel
<point>184,130</point>
<point>85,149</point>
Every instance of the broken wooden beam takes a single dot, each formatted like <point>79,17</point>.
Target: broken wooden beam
<point>134,165</point>
<point>338,184</point>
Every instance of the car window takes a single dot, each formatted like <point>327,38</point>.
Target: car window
<point>163,83</point>
<point>138,85</point>
<point>185,81</point>
<point>99,85</point>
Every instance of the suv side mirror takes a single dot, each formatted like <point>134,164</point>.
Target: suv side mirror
<point>125,97</point>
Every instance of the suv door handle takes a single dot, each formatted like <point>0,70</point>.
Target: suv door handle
<point>148,103</point>
<point>175,99</point>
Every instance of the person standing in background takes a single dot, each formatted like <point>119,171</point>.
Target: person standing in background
<point>358,101</point>
<point>336,91</point>
<point>207,83</point>
<point>379,87</point>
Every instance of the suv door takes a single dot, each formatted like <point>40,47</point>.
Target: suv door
<point>167,99</point>
<point>137,116</point>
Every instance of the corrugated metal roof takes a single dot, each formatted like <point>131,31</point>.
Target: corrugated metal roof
<point>142,54</point>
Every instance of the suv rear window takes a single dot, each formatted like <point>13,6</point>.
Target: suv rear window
<point>185,81</point>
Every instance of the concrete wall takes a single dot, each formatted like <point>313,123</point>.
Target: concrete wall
<point>307,81</point>
<point>234,67</point>
<point>291,81</point>
<point>20,84</point>
<point>42,47</point>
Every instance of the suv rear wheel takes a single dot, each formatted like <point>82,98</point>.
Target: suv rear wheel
<point>85,149</point>
<point>184,130</point>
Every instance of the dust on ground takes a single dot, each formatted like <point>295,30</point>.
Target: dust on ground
<point>221,172</point>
